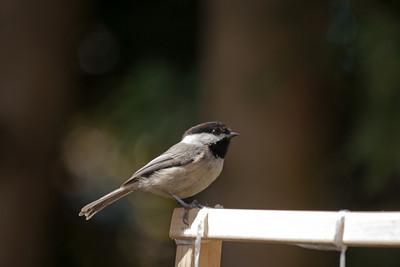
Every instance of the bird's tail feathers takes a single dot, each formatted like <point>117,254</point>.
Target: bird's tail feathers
<point>92,208</point>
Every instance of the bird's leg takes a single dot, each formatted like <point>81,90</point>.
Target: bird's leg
<point>181,202</point>
<point>187,207</point>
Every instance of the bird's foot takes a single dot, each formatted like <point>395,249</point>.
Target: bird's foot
<point>193,205</point>
<point>185,217</point>
<point>187,207</point>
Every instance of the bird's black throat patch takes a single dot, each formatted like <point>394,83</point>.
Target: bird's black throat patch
<point>220,148</point>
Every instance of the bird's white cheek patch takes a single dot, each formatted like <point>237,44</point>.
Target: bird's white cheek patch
<point>199,139</point>
<point>191,139</point>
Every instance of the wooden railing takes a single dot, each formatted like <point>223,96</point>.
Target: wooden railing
<point>312,229</point>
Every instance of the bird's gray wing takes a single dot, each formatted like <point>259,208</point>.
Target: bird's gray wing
<point>178,155</point>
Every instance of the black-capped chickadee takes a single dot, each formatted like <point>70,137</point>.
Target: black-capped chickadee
<point>184,170</point>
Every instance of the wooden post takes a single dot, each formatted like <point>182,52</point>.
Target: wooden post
<point>210,255</point>
<point>210,251</point>
<point>184,253</point>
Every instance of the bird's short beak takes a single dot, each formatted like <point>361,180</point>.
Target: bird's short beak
<point>233,134</point>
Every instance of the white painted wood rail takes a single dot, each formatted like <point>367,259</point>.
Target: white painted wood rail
<point>369,229</point>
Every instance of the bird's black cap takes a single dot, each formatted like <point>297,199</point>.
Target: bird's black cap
<point>214,127</point>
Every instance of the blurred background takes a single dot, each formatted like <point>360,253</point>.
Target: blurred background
<point>92,90</point>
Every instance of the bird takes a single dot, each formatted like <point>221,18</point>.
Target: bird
<point>184,170</point>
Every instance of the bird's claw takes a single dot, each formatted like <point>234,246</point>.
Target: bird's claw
<point>193,205</point>
<point>185,217</point>
<point>196,204</point>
